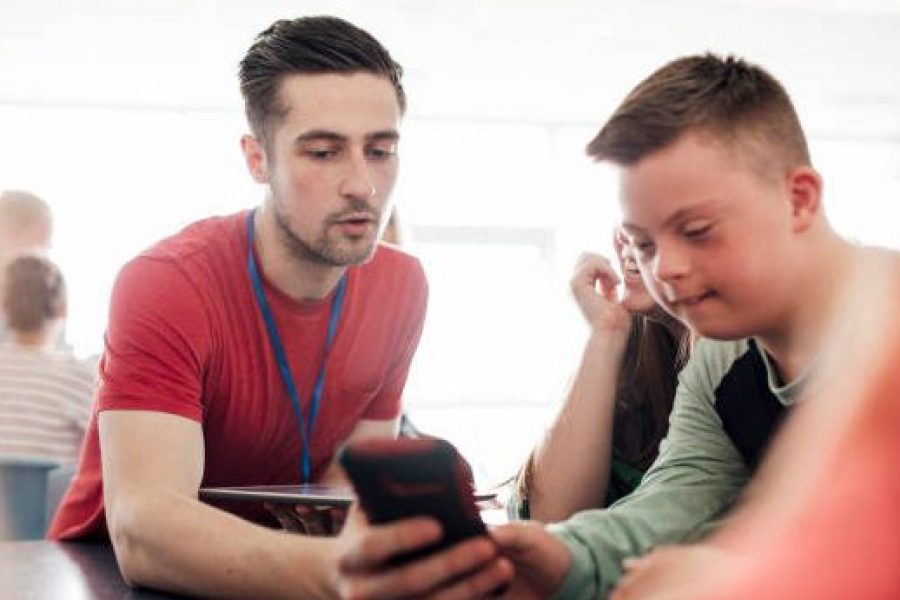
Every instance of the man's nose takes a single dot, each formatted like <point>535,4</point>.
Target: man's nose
<point>357,181</point>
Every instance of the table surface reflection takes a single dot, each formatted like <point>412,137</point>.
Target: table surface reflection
<point>43,570</point>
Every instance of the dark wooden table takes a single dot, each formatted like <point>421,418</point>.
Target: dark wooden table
<point>44,570</point>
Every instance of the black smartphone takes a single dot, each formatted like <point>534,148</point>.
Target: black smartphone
<point>401,478</point>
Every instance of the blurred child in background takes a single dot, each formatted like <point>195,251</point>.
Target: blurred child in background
<point>45,393</point>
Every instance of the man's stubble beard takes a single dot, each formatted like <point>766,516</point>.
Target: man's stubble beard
<point>323,251</point>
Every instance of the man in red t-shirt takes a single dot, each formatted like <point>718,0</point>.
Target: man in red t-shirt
<point>245,349</point>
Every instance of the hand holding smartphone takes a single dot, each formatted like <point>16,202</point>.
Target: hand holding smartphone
<point>401,478</point>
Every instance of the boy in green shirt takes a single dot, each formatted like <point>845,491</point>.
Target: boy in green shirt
<point>723,209</point>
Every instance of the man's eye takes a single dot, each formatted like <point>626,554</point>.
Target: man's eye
<point>320,153</point>
<point>381,153</point>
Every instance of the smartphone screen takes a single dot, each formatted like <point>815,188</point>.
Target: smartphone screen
<point>401,478</point>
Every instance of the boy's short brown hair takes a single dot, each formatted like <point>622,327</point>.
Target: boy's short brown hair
<point>732,101</point>
<point>34,293</point>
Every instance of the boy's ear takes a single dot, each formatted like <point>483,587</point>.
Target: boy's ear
<point>804,186</point>
<point>255,156</point>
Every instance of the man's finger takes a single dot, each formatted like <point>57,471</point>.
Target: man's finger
<point>338,516</point>
<point>285,518</point>
<point>314,522</point>
<point>380,543</point>
<point>425,577</point>
<point>482,584</point>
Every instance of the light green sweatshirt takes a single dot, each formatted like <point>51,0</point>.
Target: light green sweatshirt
<point>695,480</point>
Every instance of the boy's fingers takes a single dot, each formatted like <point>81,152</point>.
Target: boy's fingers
<point>517,538</point>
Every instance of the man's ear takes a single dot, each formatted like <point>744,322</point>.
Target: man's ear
<point>804,186</point>
<point>255,156</point>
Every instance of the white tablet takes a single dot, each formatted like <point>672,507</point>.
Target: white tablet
<point>310,493</point>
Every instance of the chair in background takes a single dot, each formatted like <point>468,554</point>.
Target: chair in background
<point>23,491</point>
<point>58,481</point>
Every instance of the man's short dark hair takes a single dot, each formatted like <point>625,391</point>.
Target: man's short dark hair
<point>307,45</point>
<point>733,101</point>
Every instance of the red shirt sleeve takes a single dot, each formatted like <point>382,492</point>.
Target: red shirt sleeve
<point>156,343</point>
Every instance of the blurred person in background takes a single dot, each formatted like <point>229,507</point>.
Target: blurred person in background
<point>392,233</point>
<point>45,393</point>
<point>26,227</point>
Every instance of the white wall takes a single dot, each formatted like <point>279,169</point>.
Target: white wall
<point>125,115</point>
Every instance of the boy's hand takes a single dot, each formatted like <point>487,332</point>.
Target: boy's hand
<point>472,569</point>
<point>593,285</point>
<point>541,560</point>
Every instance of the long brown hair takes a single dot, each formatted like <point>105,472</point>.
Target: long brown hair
<point>657,349</point>
<point>655,353</point>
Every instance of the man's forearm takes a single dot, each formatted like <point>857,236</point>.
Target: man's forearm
<point>172,542</point>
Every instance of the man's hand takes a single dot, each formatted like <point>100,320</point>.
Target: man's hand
<point>308,520</point>
<point>472,569</point>
<point>593,285</point>
<point>670,572</point>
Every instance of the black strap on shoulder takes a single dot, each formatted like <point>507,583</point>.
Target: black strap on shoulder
<point>750,412</point>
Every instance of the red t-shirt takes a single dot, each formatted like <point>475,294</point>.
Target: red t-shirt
<point>186,337</point>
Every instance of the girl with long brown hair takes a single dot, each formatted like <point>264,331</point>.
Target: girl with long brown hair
<point>608,430</point>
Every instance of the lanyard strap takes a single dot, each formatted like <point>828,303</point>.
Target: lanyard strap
<point>304,425</point>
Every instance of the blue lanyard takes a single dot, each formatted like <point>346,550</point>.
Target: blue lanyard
<point>305,427</point>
